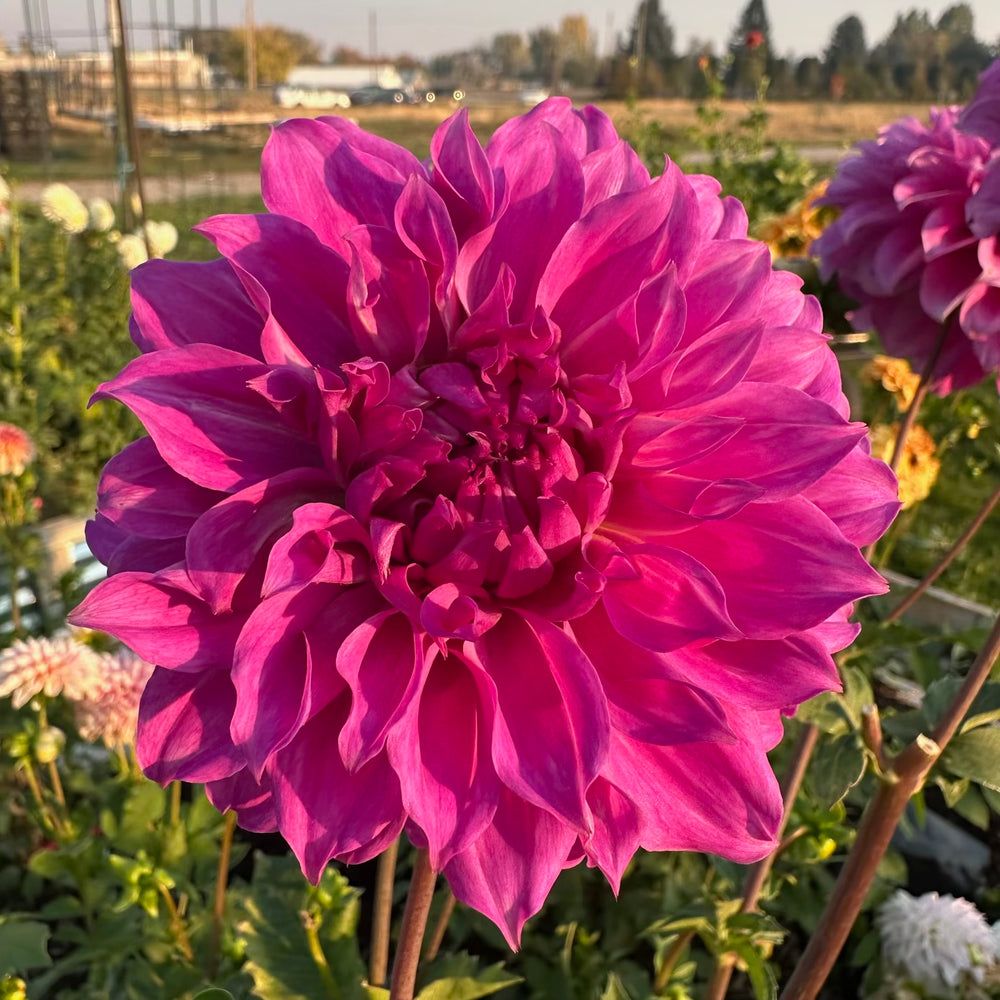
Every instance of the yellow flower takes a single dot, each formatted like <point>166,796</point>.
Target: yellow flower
<point>918,466</point>
<point>896,377</point>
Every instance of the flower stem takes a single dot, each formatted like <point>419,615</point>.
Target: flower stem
<point>904,778</point>
<point>757,875</point>
<point>418,904</point>
<point>177,923</point>
<point>949,557</point>
<point>219,907</point>
<point>671,959</point>
<point>175,804</point>
<point>312,922</point>
<point>385,879</point>
<point>437,937</point>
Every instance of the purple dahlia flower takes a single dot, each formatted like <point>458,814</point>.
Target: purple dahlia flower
<point>902,247</point>
<point>506,499</point>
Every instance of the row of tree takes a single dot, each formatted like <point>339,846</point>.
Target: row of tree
<point>919,59</point>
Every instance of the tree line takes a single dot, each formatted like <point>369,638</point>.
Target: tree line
<point>919,59</point>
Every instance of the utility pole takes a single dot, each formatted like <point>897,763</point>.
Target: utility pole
<point>251,49</point>
<point>129,165</point>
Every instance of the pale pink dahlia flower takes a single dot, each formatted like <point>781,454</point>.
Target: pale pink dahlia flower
<point>29,667</point>
<point>107,705</point>
<point>506,499</point>
<point>902,247</point>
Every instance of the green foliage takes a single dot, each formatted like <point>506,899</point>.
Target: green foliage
<point>23,945</point>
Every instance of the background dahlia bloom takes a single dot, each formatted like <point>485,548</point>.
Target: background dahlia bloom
<point>902,247</point>
<point>17,450</point>
<point>506,499</point>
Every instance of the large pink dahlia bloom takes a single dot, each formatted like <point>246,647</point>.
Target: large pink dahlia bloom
<point>903,247</point>
<point>506,499</point>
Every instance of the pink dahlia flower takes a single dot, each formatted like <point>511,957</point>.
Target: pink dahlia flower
<point>17,450</point>
<point>506,499</point>
<point>902,247</point>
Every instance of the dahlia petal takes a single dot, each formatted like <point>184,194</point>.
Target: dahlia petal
<point>294,281</point>
<point>728,279</point>
<point>551,728</point>
<point>671,601</point>
<point>184,731</point>
<point>326,811</point>
<point>687,796</point>
<point>755,553</point>
<point>507,873</point>
<point>617,831</point>
<point>226,541</point>
<point>462,174</point>
<point>983,208</point>
<point>544,186</point>
<point>161,619</point>
<point>176,303</point>
<point>283,669</point>
<point>713,365</point>
<point>382,661</point>
<point>610,170</point>
<point>140,494</point>
<point>343,176</point>
<point>441,751</point>
<point>253,803</point>
<point>203,419</point>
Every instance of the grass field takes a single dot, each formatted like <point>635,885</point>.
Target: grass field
<point>85,151</point>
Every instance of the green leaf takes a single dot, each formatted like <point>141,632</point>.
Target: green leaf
<point>973,808</point>
<point>377,992</point>
<point>975,754</point>
<point>23,945</point>
<point>615,990</point>
<point>279,959</point>
<point>482,984</point>
<point>838,765</point>
<point>213,993</point>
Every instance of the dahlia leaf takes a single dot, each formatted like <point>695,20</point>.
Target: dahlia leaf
<point>24,945</point>
<point>457,977</point>
<point>838,765</point>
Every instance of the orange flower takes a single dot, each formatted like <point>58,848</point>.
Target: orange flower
<point>16,450</point>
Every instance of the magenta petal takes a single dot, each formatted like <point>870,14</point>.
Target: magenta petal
<point>617,831</point>
<point>715,797</point>
<point>176,303</point>
<point>507,873</point>
<point>205,421</point>
<point>325,811</point>
<point>441,751</point>
<point>161,619</point>
<point>462,174</point>
<point>382,662</point>
<point>673,600</point>
<point>757,551</point>
<point>224,542</point>
<point>184,731</point>
<point>551,729</point>
<point>253,803</point>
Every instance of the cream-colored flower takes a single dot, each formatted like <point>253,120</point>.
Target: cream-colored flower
<point>940,944</point>
<point>918,466</point>
<point>102,215</point>
<point>4,192</point>
<point>162,237</point>
<point>108,708</point>
<point>895,376</point>
<point>63,207</point>
<point>132,250</point>
<point>17,450</point>
<point>44,666</point>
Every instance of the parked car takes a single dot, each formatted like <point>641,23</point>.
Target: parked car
<point>380,95</point>
<point>444,94</point>
<point>310,97</point>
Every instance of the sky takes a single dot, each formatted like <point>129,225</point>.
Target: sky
<point>433,26</point>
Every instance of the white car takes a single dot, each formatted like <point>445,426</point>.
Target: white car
<point>303,97</point>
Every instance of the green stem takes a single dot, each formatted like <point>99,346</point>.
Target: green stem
<point>219,906</point>
<point>177,923</point>
<point>312,922</point>
<point>378,964</point>
<point>16,312</point>
<point>671,959</point>
<point>418,904</point>
<point>176,788</point>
